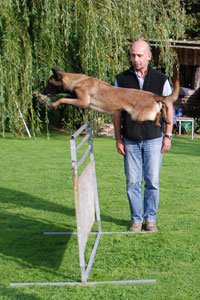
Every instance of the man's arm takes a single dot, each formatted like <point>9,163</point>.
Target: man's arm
<point>170,116</point>
<point>117,126</point>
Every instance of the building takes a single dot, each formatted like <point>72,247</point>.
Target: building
<point>189,60</point>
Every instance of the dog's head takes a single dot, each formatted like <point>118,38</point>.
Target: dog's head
<point>54,85</point>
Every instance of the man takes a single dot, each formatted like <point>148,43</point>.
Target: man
<point>142,144</point>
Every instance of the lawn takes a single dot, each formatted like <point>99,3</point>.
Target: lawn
<point>36,195</point>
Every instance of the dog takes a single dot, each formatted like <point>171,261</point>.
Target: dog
<point>89,92</point>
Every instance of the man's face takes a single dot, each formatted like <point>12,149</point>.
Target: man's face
<point>140,56</point>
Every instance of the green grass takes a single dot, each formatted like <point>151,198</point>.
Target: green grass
<point>36,195</point>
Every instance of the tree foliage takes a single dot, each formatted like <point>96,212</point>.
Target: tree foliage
<point>192,9</point>
<point>86,36</point>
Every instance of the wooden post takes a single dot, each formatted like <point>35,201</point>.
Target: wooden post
<point>197,78</point>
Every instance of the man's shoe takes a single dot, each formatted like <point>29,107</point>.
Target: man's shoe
<point>136,227</point>
<point>151,226</point>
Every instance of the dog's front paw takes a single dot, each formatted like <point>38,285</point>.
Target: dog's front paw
<point>43,100</point>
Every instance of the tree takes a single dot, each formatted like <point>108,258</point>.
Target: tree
<point>192,9</point>
<point>87,36</point>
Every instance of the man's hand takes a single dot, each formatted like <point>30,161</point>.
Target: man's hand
<point>117,126</point>
<point>120,147</point>
<point>166,145</point>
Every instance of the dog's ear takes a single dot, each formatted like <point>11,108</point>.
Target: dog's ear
<point>57,73</point>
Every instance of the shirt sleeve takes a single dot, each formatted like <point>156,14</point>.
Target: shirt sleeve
<point>167,90</point>
<point>116,83</point>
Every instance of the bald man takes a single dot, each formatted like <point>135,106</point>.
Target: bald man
<point>142,144</point>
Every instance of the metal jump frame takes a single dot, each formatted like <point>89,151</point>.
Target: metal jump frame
<point>85,270</point>
<point>75,165</point>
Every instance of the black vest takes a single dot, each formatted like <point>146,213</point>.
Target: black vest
<point>154,82</point>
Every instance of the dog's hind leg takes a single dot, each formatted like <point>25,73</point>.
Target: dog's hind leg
<point>164,114</point>
<point>157,120</point>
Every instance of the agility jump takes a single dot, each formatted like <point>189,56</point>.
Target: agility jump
<point>87,211</point>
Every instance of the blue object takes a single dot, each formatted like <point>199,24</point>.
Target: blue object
<point>177,113</point>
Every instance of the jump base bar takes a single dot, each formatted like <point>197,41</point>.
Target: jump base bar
<point>102,232</point>
<point>81,283</point>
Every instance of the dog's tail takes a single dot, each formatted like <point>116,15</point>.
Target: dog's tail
<point>171,98</point>
<point>174,95</point>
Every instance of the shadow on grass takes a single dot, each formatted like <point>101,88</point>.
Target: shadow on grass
<point>21,236</point>
<point>23,199</point>
<point>118,222</point>
<point>8,293</point>
<point>28,201</point>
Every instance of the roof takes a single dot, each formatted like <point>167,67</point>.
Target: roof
<point>179,44</point>
<point>188,51</point>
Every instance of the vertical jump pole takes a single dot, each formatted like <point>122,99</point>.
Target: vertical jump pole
<point>96,191</point>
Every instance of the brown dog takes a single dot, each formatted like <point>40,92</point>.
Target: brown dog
<point>102,97</point>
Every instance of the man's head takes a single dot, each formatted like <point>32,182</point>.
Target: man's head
<point>140,55</point>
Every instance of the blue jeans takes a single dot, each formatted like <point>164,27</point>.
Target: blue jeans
<point>143,159</point>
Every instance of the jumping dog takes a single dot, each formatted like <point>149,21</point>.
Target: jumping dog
<point>100,96</point>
